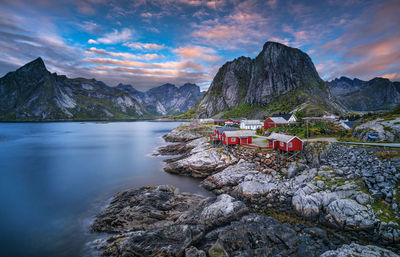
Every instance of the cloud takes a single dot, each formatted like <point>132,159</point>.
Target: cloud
<point>91,41</point>
<point>197,52</point>
<point>144,46</point>
<point>233,31</point>
<point>94,50</point>
<point>369,47</point>
<point>272,3</point>
<point>115,37</point>
<point>164,65</point>
<point>90,27</point>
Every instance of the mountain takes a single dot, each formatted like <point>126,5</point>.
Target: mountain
<point>33,93</point>
<point>358,95</point>
<point>280,78</point>
<point>166,99</point>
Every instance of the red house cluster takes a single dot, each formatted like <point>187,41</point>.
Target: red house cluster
<point>234,120</point>
<point>284,142</point>
<point>232,136</point>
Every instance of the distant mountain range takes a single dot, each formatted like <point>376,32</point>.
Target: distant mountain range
<point>33,93</point>
<point>357,95</point>
<point>280,78</point>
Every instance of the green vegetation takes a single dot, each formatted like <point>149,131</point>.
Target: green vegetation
<point>260,131</point>
<point>318,129</point>
<point>242,110</point>
<point>300,114</point>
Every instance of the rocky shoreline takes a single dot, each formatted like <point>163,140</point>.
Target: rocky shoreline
<point>329,201</point>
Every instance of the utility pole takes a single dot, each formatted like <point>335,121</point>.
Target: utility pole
<point>307,128</point>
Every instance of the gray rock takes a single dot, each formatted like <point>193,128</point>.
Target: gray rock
<point>348,214</point>
<point>359,250</point>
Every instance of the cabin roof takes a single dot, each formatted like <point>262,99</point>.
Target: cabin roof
<point>252,122</point>
<point>278,120</point>
<point>237,119</point>
<point>225,128</point>
<point>239,133</point>
<point>350,124</point>
<point>284,116</point>
<point>282,137</point>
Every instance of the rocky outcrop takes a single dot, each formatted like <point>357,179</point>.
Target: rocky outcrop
<point>203,160</point>
<point>359,250</point>
<point>386,130</point>
<point>278,74</point>
<point>181,134</point>
<point>334,195</point>
<point>173,149</point>
<point>33,93</point>
<point>160,221</point>
<point>375,94</point>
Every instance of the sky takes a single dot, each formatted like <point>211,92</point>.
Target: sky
<point>147,43</point>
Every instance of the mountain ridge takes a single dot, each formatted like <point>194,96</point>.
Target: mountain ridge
<point>372,95</point>
<point>31,92</point>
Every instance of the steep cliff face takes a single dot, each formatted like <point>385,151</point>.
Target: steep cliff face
<point>372,95</point>
<point>279,78</point>
<point>33,93</point>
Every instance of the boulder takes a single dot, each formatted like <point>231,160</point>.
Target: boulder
<point>348,214</point>
<point>359,250</point>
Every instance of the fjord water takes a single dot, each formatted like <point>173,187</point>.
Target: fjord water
<point>54,178</point>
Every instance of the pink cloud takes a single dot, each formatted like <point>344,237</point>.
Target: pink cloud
<point>197,52</point>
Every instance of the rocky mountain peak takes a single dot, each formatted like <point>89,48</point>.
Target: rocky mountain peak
<point>126,87</point>
<point>278,71</point>
<point>36,66</point>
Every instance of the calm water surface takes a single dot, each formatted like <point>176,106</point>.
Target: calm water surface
<point>54,178</point>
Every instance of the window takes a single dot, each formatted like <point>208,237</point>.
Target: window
<point>281,143</point>
<point>290,144</point>
<point>233,139</point>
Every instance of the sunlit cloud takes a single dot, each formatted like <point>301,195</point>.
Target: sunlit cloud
<point>197,52</point>
<point>115,37</point>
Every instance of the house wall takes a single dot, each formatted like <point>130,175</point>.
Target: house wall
<point>271,124</point>
<point>297,145</point>
<point>292,119</point>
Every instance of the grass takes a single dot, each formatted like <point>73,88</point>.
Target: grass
<point>319,129</point>
<point>242,110</point>
<point>388,155</point>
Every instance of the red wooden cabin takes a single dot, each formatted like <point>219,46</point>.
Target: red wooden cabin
<point>240,137</point>
<point>218,131</point>
<point>284,142</point>
<point>219,122</point>
<point>273,122</point>
<point>235,120</point>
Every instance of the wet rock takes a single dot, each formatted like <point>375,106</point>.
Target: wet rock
<point>181,134</point>
<point>145,208</point>
<point>202,161</point>
<point>194,252</point>
<point>165,241</point>
<point>174,149</point>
